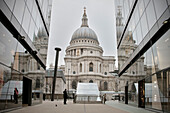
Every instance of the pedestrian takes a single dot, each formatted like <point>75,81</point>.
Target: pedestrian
<point>65,96</point>
<point>104,98</point>
<point>16,95</point>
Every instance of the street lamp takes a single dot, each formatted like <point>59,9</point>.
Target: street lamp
<point>55,73</point>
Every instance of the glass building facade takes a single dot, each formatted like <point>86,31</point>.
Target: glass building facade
<point>143,45</point>
<point>22,23</point>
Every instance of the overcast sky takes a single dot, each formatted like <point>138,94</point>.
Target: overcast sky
<point>66,18</point>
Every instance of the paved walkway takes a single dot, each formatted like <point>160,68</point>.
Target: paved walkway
<point>128,108</point>
<point>50,107</point>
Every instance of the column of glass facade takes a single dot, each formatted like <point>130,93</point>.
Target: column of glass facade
<point>143,39</point>
<point>23,24</point>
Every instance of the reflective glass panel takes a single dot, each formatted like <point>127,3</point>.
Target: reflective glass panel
<point>7,46</point>
<point>141,7</point>
<point>144,25</point>
<point>19,9</point>
<point>139,33</point>
<point>26,20</point>
<point>160,6</point>
<point>30,4</point>
<point>31,29</point>
<point>161,50</point>
<point>10,4</point>
<point>150,14</point>
<point>149,62</point>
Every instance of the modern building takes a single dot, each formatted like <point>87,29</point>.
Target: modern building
<point>84,60</point>
<point>128,45</point>
<point>24,31</point>
<point>143,38</point>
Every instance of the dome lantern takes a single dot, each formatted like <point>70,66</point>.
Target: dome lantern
<point>84,19</point>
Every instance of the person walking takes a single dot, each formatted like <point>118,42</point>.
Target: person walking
<point>16,95</point>
<point>65,96</point>
<point>104,98</point>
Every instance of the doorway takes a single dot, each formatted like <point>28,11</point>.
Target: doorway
<point>27,91</point>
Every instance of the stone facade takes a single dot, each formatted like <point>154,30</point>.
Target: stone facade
<point>84,60</point>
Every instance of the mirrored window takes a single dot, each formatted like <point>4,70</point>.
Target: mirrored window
<point>150,67</point>
<point>134,35</point>
<point>136,15</point>
<point>19,9</point>
<point>146,2</point>
<point>161,50</point>
<point>31,29</point>
<point>26,20</point>
<point>10,4</point>
<point>160,6</point>
<point>150,14</point>
<point>34,11</point>
<point>141,7</point>
<point>30,4</point>
<point>139,33</point>
<point>8,46</point>
<point>144,25</point>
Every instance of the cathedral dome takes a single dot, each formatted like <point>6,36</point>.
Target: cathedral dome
<point>84,31</point>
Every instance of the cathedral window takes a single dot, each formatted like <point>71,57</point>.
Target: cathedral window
<point>105,73</point>
<point>74,85</point>
<point>91,66</point>
<point>71,52</point>
<point>74,52</point>
<point>80,67</point>
<point>74,72</point>
<point>100,68</point>
<point>37,83</point>
<point>91,81</point>
<point>81,51</point>
<point>23,70</point>
<point>38,66</point>
<point>77,52</point>
<point>85,40</point>
<point>91,52</point>
<point>133,72</point>
<point>105,85</point>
